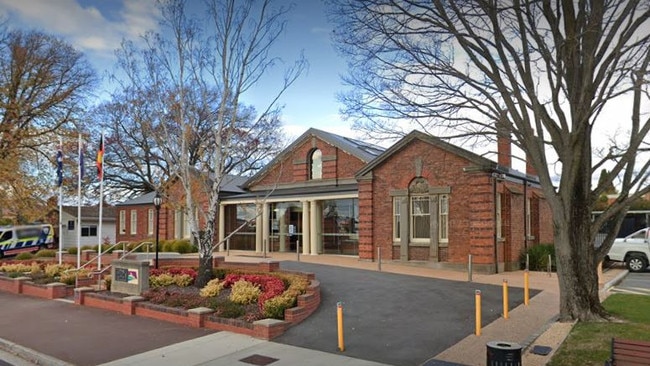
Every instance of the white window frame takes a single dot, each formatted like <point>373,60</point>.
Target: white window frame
<point>414,215</point>
<point>316,164</point>
<point>88,229</point>
<point>181,225</point>
<point>443,219</point>
<point>134,222</point>
<point>150,218</point>
<point>396,218</point>
<point>122,222</point>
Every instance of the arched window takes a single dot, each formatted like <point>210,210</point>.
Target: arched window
<point>316,164</point>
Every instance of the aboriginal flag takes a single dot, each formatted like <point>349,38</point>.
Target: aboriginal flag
<point>100,158</point>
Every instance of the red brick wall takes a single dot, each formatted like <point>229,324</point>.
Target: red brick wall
<point>514,222</point>
<point>471,209</point>
<point>545,222</point>
<point>142,229</point>
<point>366,238</point>
<point>294,167</point>
<point>479,219</point>
<point>440,169</point>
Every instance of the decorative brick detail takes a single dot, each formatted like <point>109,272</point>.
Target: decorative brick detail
<point>294,167</point>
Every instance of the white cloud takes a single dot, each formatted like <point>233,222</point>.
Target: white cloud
<point>85,27</point>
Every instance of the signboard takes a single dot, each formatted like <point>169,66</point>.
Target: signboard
<point>121,274</point>
<point>133,276</point>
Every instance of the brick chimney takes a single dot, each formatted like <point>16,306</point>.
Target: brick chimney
<point>504,145</point>
<point>530,170</point>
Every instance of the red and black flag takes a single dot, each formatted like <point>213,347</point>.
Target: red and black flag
<point>100,158</point>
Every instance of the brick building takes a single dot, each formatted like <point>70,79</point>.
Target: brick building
<point>136,218</point>
<point>421,200</point>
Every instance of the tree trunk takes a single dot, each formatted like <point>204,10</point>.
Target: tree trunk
<point>577,273</point>
<point>205,256</point>
<point>577,267</point>
<point>205,271</point>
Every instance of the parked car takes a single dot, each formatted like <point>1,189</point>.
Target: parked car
<point>634,250</point>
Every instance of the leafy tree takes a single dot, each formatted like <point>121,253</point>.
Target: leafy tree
<point>547,71</point>
<point>44,83</point>
<point>186,85</point>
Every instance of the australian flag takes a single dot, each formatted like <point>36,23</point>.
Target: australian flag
<point>59,167</point>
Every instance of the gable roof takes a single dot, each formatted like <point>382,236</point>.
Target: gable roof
<point>361,150</point>
<point>474,158</point>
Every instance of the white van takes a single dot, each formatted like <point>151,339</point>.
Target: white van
<point>25,238</point>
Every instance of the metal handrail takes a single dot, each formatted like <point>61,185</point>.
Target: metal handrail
<point>99,272</point>
<point>124,243</point>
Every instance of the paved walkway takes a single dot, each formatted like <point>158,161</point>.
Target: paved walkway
<point>52,338</point>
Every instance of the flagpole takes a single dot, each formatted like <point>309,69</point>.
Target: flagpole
<point>80,172</point>
<point>59,164</point>
<point>100,170</point>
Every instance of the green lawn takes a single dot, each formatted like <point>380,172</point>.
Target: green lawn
<point>589,342</point>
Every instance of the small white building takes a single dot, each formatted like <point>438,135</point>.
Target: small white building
<point>89,226</point>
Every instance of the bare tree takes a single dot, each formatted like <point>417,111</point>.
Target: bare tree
<point>190,73</point>
<point>44,83</point>
<point>136,164</point>
<point>548,71</point>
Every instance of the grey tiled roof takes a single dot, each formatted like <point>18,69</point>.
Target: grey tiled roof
<point>231,184</point>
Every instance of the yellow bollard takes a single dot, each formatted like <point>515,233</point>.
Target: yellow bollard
<point>526,295</point>
<point>339,317</point>
<point>478,312</point>
<point>505,299</point>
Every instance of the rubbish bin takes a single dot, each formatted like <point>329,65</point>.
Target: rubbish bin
<point>501,353</point>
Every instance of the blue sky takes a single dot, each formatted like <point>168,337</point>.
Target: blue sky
<point>96,28</point>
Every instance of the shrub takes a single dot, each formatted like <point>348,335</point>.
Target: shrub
<point>175,271</point>
<point>167,279</point>
<point>46,253</point>
<point>70,277</point>
<point>174,298</point>
<point>20,267</point>
<point>105,248</point>
<point>275,307</point>
<point>108,281</point>
<point>72,250</point>
<point>212,288</point>
<point>24,256</point>
<point>167,246</point>
<point>54,270</point>
<point>225,308</point>
<point>220,273</point>
<point>244,292</point>
<point>538,257</point>
<point>182,246</point>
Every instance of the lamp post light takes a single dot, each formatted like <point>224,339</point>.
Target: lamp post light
<point>157,201</point>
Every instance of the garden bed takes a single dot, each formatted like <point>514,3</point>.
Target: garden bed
<point>190,313</point>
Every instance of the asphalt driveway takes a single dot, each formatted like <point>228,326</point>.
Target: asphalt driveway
<point>392,318</point>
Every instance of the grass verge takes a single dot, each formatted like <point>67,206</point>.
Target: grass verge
<point>589,342</point>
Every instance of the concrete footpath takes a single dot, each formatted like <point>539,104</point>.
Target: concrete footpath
<point>55,333</point>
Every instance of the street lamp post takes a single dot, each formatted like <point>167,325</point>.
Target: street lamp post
<point>157,201</point>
